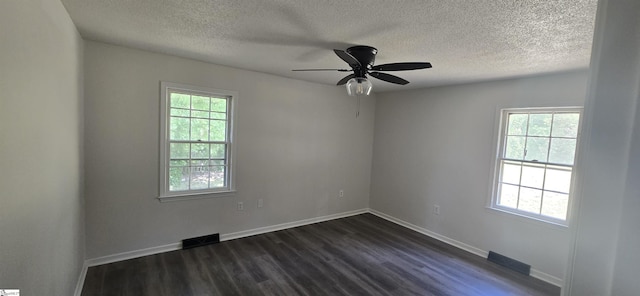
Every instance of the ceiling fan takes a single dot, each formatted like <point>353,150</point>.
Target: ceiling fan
<point>361,58</point>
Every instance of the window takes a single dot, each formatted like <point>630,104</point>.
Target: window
<point>196,140</point>
<point>534,166</point>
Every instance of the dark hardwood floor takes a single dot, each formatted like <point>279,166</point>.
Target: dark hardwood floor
<point>359,255</point>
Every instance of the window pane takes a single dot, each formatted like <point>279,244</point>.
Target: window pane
<point>535,163</point>
<point>537,149</point>
<point>532,176</point>
<point>196,135</point>
<point>180,101</point>
<point>539,125</point>
<point>219,105</point>
<point>199,162</point>
<point>199,177</point>
<point>178,178</point>
<point>530,200</point>
<point>179,112</point>
<point>515,147</point>
<point>511,173</point>
<point>517,124</point>
<point>200,151</point>
<point>179,150</point>
<point>218,130</point>
<point>200,114</point>
<point>562,151</point>
<point>179,163</point>
<point>218,150</point>
<point>200,103</point>
<point>508,196</point>
<point>217,176</point>
<point>218,115</point>
<point>199,129</point>
<point>179,128</point>
<point>555,205</point>
<point>557,180</point>
<point>565,125</point>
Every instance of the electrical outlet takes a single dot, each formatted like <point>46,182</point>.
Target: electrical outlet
<point>260,203</point>
<point>436,209</point>
<point>240,206</point>
<point>341,193</point>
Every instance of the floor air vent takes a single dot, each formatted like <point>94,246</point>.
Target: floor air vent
<point>200,241</point>
<point>509,263</point>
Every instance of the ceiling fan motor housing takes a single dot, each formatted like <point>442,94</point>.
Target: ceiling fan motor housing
<point>361,59</point>
<point>366,55</point>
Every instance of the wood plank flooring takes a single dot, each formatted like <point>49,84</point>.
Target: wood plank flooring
<point>358,255</point>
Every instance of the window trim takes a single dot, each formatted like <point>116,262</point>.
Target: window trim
<point>230,189</point>
<point>499,146</point>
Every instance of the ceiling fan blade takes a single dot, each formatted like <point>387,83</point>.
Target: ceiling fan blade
<point>389,78</point>
<point>339,70</point>
<point>401,66</point>
<point>345,56</point>
<point>345,79</point>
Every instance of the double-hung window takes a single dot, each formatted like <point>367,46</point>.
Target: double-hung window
<point>535,162</point>
<point>197,136</point>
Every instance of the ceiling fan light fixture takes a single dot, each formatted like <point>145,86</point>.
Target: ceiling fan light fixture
<point>359,86</point>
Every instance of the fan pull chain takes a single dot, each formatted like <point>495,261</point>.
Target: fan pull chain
<point>357,106</point>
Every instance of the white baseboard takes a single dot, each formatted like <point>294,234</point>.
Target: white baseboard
<point>261,230</point>
<point>132,254</point>
<point>81,277</point>
<point>556,281</point>
<point>450,241</point>
<point>471,249</point>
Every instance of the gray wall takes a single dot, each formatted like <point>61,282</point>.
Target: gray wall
<point>436,146</point>
<point>41,207</point>
<point>627,263</point>
<point>607,240</point>
<point>298,144</point>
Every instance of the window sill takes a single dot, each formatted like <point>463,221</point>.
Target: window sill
<point>198,195</point>
<point>529,219</point>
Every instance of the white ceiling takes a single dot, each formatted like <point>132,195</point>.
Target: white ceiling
<point>465,40</point>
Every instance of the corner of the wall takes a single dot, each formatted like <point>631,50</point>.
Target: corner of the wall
<point>427,232</point>
<point>460,245</point>
<point>81,277</point>
<point>556,281</point>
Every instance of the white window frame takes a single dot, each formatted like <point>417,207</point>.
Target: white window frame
<point>232,101</point>
<point>500,139</point>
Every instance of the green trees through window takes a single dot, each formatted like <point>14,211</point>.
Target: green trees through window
<point>535,163</point>
<point>197,136</point>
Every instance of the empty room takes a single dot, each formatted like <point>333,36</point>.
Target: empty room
<point>366,147</point>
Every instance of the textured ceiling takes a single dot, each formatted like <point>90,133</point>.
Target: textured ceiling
<point>465,40</point>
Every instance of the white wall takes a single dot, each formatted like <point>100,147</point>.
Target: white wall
<point>435,146</point>
<point>41,207</point>
<point>605,259</point>
<point>298,144</point>
<point>627,263</point>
